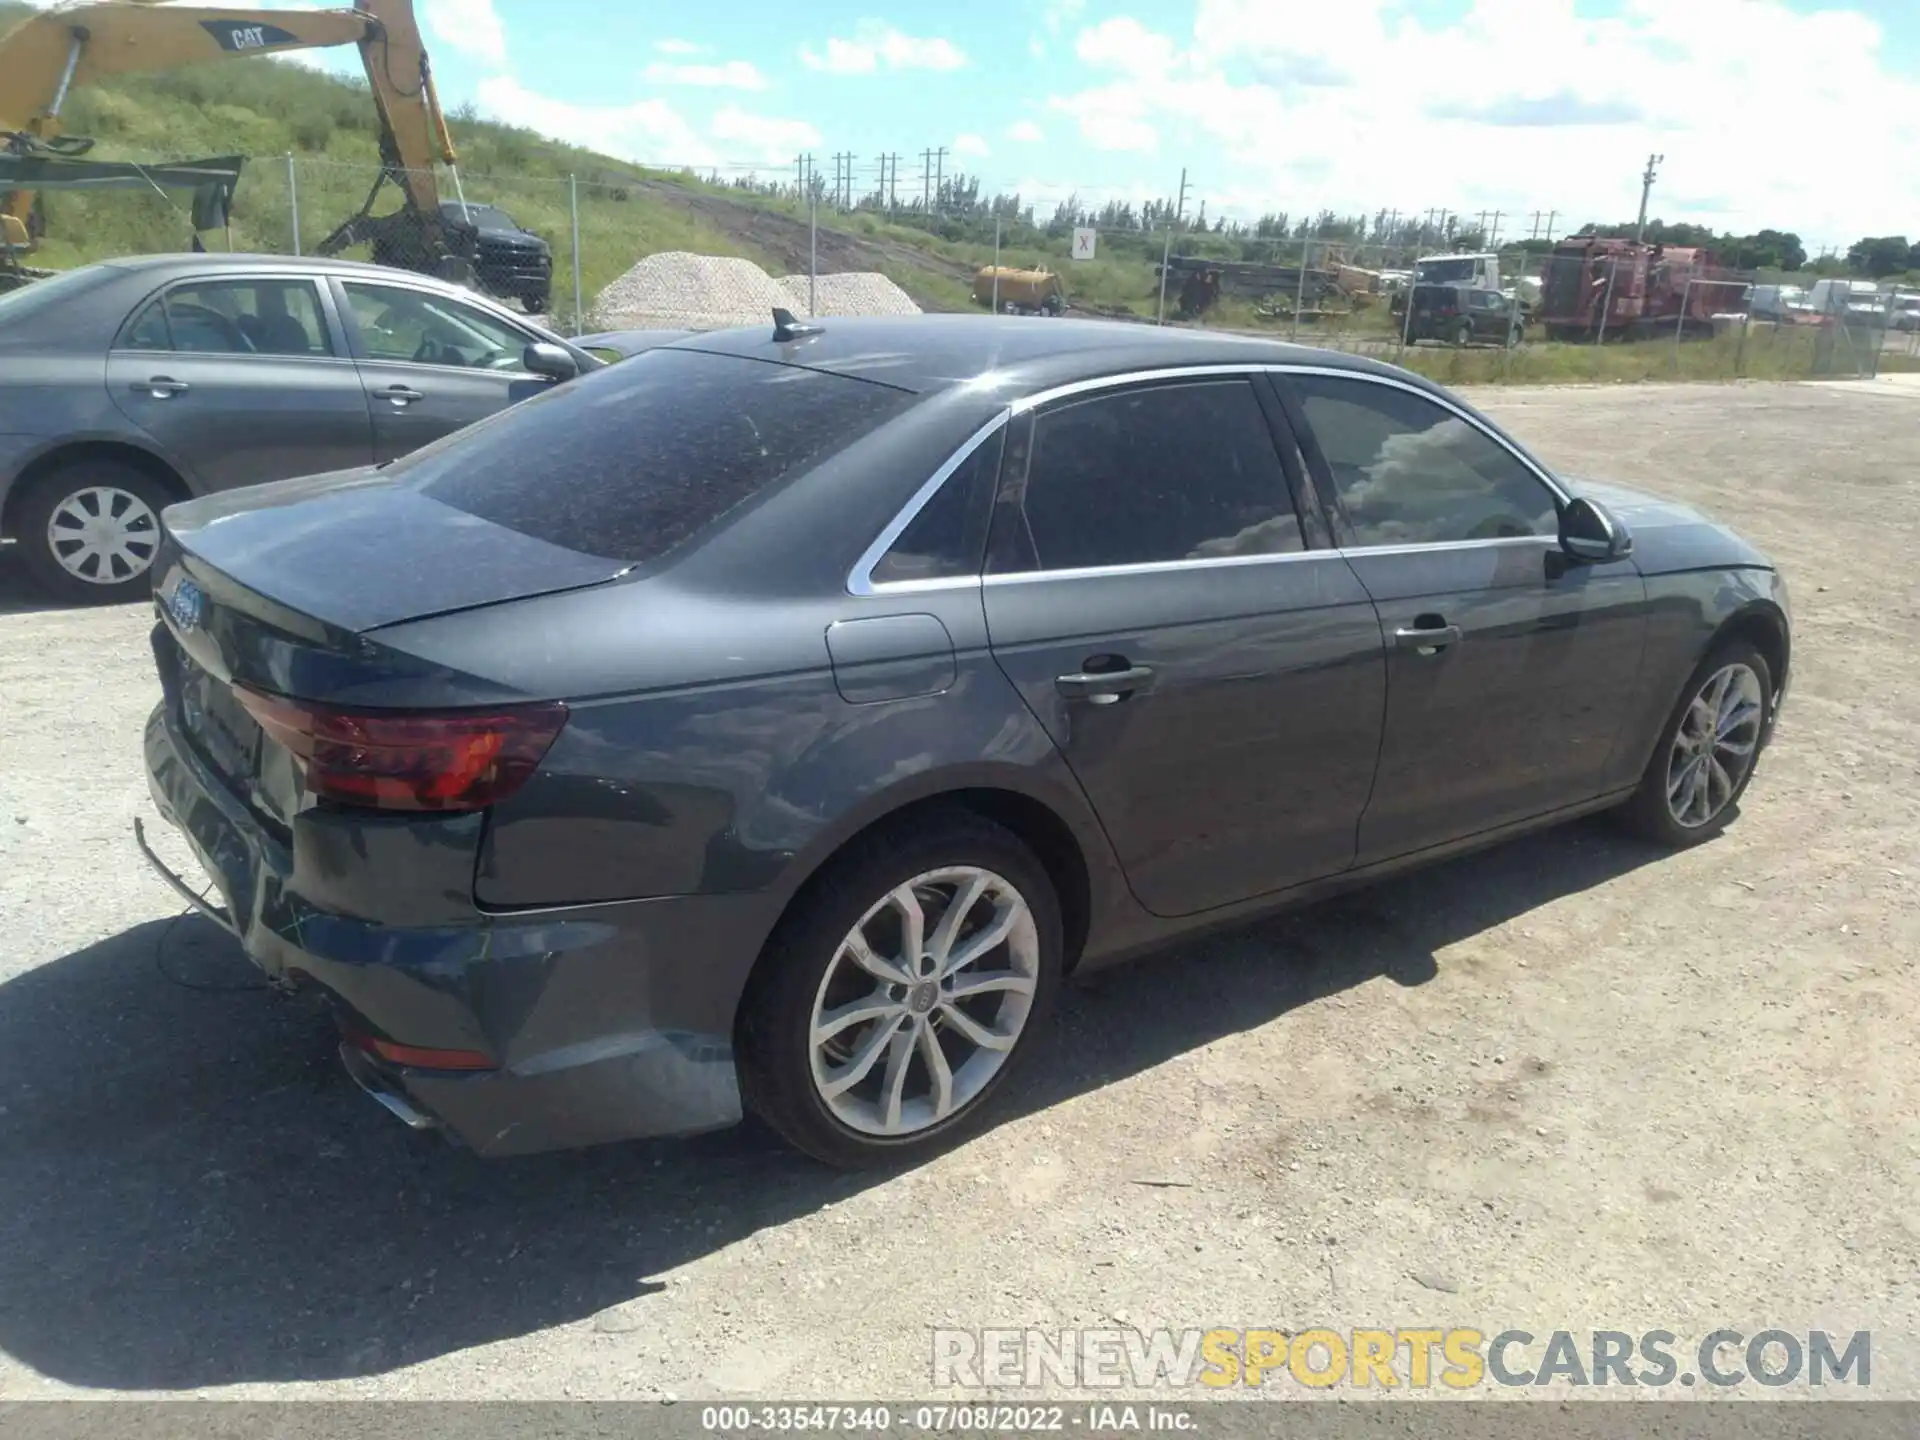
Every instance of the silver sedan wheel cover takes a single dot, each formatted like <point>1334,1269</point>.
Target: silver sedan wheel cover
<point>1714,746</point>
<point>103,535</point>
<point>924,1001</point>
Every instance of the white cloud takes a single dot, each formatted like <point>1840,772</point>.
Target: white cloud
<point>1111,117</point>
<point>970,144</point>
<point>729,75</point>
<point>1060,13</point>
<point>471,27</point>
<point>877,46</point>
<point>1025,132</point>
<point>762,137</point>
<point>648,130</point>
<point>678,47</point>
<point>1359,106</point>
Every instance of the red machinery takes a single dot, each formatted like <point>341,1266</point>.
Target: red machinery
<point>1638,288</point>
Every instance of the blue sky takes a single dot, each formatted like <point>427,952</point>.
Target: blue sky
<point>1794,113</point>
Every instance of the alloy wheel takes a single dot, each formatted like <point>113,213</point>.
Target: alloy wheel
<point>1714,746</point>
<point>103,535</point>
<point>924,1001</point>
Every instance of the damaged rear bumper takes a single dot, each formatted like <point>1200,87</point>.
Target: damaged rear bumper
<point>605,1022</point>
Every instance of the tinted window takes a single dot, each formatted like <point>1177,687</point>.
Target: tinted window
<point>419,328</point>
<point>1411,472</point>
<point>1177,472</point>
<point>945,539</point>
<point>630,461</point>
<point>233,317</point>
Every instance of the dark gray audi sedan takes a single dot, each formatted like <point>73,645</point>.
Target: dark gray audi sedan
<point>773,719</point>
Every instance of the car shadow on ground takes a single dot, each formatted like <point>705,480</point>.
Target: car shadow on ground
<point>192,1194</point>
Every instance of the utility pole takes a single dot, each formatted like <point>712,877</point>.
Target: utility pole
<point>843,178</point>
<point>1166,250</point>
<point>1493,235</point>
<point>1646,189</point>
<point>926,181</point>
<point>940,172</point>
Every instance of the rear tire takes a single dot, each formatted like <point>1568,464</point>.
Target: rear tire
<point>1707,751</point>
<point>1463,333</point>
<point>910,1026</point>
<point>89,532</point>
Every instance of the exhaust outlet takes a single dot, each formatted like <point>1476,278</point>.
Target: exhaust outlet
<point>368,1077</point>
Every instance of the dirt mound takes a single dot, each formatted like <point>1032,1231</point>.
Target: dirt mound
<point>866,293</point>
<point>681,291</point>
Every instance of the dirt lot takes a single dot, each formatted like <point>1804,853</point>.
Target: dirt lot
<point>1568,1084</point>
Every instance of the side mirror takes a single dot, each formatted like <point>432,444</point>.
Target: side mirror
<point>1589,533</point>
<point>540,358</point>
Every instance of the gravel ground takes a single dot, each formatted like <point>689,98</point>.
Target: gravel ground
<point>1567,1084</point>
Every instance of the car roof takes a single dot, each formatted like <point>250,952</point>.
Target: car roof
<point>929,353</point>
<point>225,260</point>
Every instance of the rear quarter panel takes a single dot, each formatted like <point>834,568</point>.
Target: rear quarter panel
<point>713,750</point>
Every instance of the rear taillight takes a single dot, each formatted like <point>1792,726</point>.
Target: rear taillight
<point>410,760</point>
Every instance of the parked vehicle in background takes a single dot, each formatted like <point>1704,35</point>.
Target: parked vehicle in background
<point>1023,292</point>
<point>131,384</point>
<point>1785,303</point>
<point>507,261</point>
<point>1847,299</point>
<point>1594,286</point>
<point>899,668</point>
<point>1464,315</point>
<point>1906,311</point>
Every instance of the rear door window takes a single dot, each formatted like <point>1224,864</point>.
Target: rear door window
<point>233,317</point>
<point>1144,476</point>
<point>629,462</point>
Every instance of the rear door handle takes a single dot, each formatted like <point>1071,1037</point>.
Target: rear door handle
<point>1103,687</point>
<point>163,387</point>
<point>402,395</point>
<point>1427,639</point>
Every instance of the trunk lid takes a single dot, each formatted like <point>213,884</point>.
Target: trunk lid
<point>279,587</point>
<point>357,550</point>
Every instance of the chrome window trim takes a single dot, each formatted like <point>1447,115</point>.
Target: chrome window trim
<point>1157,567</point>
<point>860,580</point>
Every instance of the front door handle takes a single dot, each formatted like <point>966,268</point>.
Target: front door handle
<point>162,387</point>
<point>1428,639</point>
<point>401,395</point>
<point>1104,687</point>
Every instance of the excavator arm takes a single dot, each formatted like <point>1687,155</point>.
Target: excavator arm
<point>45,56</point>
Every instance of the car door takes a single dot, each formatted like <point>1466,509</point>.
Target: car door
<point>1215,685</point>
<point>241,379</point>
<point>431,364</point>
<point>1510,668</point>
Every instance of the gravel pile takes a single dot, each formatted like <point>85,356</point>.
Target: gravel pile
<point>861,293</point>
<point>681,291</point>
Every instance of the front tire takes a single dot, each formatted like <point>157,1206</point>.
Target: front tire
<point>1707,749</point>
<point>893,1004</point>
<point>89,532</point>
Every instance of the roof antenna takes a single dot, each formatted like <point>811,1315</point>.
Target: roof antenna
<point>786,328</point>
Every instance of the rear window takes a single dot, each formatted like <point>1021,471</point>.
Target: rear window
<point>632,461</point>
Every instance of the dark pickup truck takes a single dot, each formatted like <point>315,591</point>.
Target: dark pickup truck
<point>508,262</point>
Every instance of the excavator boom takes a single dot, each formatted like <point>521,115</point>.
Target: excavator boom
<point>48,54</point>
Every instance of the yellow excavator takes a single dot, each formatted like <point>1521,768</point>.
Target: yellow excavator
<point>50,53</point>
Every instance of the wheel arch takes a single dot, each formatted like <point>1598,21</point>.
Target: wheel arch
<point>52,461</point>
<point>1762,624</point>
<point>1067,852</point>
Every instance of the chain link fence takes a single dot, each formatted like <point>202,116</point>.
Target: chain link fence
<point>1433,294</point>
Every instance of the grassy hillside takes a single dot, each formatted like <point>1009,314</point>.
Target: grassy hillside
<point>270,111</point>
